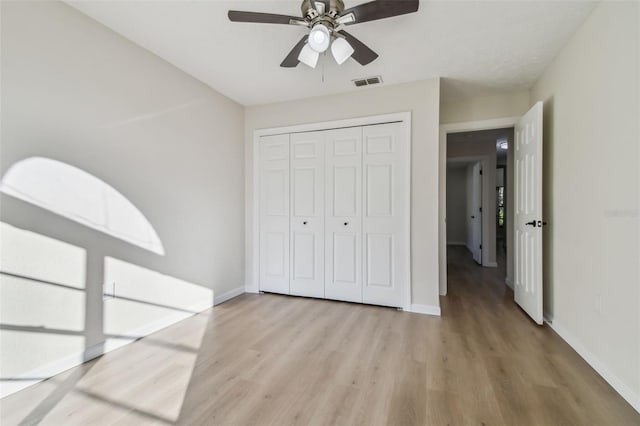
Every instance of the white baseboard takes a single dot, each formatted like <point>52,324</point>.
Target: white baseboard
<point>218,299</point>
<point>509,283</point>
<point>625,391</point>
<point>73,360</point>
<point>490,264</point>
<point>425,309</point>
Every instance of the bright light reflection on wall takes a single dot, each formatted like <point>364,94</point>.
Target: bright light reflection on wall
<point>143,297</point>
<point>81,197</point>
<point>42,305</point>
<point>28,254</point>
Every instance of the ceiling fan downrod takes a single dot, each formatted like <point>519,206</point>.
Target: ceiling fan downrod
<point>315,10</point>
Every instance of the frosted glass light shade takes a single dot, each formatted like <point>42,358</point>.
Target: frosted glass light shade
<point>319,38</point>
<point>341,50</point>
<point>308,56</point>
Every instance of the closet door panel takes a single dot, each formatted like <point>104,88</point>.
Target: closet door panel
<point>334,214</point>
<point>274,213</point>
<point>386,192</point>
<point>307,214</point>
<point>343,215</point>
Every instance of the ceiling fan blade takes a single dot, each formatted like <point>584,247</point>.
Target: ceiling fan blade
<point>380,9</point>
<point>291,61</point>
<point>361,53</point>
<point>262,18</point>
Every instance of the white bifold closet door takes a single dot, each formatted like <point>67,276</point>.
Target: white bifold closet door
<point>274,213</point>
<point>343,217</point>
<point>307,214</point>
<point>334,214</point>
<point>385,226</point>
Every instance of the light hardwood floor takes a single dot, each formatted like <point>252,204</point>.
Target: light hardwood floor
<point>278,360</point>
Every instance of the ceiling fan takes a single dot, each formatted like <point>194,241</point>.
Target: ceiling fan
<point>326,19</point>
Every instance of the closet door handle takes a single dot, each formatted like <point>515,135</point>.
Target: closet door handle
<point>304,223</point>
<point>346,223</point>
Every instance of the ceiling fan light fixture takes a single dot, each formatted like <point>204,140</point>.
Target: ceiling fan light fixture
<point>319,38</point>
<point>308,56</point>
<point>341,50</point>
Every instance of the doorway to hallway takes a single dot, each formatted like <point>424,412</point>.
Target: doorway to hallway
<point>524,206</point>
<point>478,183</point>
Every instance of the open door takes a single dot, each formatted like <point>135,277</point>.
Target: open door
<point>528,213</point>
<point>476,213</point>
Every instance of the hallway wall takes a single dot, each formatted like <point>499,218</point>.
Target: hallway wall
<point>485,151</point>
<point>456,204</point>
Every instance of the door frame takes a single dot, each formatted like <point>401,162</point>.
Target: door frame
<point>445,129</point>
<point>252,286</point>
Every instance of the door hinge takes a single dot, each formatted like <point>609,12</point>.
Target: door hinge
<point>480,209</point>
<point>480,171</point>
<point>480,246</point>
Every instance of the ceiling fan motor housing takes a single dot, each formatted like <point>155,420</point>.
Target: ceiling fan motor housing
<point>310,12</point>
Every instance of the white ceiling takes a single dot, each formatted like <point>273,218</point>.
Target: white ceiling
<point>477,46</point>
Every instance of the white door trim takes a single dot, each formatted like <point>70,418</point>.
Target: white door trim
<point>467,126</point>
<point>402,117</point>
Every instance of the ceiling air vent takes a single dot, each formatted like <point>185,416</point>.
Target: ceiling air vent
<point>367,81</point>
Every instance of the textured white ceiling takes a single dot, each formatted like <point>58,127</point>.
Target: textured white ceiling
<point>477,46</point>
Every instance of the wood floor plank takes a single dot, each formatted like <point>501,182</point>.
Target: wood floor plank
<point>279,360</point>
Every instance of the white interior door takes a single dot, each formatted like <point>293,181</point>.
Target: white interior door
<point>528,213</point>
<point>476,212</point>
<point>385,225</point>
<point>307,214</point>
<point>343,215</point>
<point>274,213</point>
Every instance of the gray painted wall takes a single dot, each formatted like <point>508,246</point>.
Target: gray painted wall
<point>456,204</point>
